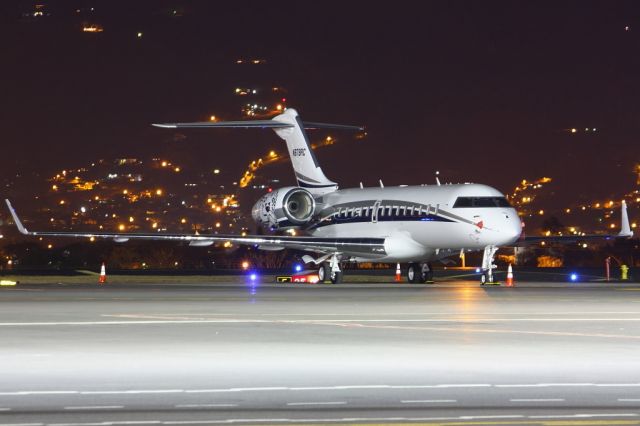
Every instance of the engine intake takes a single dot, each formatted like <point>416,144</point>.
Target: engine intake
<point>284,208</point>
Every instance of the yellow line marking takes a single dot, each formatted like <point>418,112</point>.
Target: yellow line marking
<point>496,423</point>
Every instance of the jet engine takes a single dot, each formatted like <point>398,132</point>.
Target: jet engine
<point>284,208</point>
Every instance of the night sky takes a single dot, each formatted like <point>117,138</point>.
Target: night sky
<point>482,91</point>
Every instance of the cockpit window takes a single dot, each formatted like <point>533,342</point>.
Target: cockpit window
<point>481,202</point>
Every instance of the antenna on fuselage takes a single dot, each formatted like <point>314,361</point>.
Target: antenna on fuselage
<point>381,184</point>
<point>361,186</point>
<point>437,179</point>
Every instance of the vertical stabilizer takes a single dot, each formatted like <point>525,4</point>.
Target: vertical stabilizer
<point>625,229</point>
<point>305,165</point>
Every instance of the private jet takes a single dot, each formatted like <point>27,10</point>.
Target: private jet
<point>416,225</point>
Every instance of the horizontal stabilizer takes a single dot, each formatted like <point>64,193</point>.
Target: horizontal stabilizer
<point>260,124</point>
<point>255,124</point>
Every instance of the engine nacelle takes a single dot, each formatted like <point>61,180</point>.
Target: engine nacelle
<point>284,208</point>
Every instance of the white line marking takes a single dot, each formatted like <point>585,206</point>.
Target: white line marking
<point>131,391</point>
<point>310,321</point>
<point>318,403</point>
<point>537,400</point>
<point>581,416</point>
<point>22,424</point>
<point>548,385</point>
<point>204,405</point>
<point>629,399</point>
<point>21,393</point>
<point>5,409</point>
<point>426,401</point>
<point>309,388</point>
<point>95,407</point>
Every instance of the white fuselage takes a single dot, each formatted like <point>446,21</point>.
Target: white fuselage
<point>419,223</point>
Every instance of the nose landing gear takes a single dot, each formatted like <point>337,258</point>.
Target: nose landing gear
<point>488,266</point>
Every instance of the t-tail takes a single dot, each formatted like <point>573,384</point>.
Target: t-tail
<point>289,127</point>
<point>305,164</point>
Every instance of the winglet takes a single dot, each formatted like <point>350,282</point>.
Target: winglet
<point>16,219</point>
<point>625,229</point>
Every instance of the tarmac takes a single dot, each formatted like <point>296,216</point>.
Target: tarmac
<point>264,353</point>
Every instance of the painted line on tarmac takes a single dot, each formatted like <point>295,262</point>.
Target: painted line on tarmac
<point>336,321</point>
<point>427,401</point>
<point>316,403</point>
<point>578,419</point>
<point>95,407</point>
<point>443,421</point>
<point>310,388</point>
<point>205,405</point>
<point>537,400</point>
<point>347,324</point>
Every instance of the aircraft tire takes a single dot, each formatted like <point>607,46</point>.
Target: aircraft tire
<point>336,277</point>
<point>413,273</point>
<point>324,272</point>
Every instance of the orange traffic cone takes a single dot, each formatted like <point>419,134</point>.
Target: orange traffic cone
<point>103,274</point>
<point>510,276</point>
<point>398,273</point>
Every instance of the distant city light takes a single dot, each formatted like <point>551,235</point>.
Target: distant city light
<point>573,277</point>
<point>121,227</point>
<point>158,191</point>
<point>139,34</point>
<point>92,28</point>
<point>574,130</point>
<point>245,265</point>
<point>216,171</point>
<point>213,117</point>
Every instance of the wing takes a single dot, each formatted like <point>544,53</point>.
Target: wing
<point>371,247</point>
<point>625,232</point>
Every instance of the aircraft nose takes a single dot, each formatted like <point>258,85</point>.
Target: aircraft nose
<point>514,226</point>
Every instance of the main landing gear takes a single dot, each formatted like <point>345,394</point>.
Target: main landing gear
<point>488,266</point>
<point>420,273</point>
<point>330,270</point>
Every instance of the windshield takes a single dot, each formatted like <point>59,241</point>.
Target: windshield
<point>481,202</point>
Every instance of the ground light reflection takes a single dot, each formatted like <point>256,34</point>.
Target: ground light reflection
<point>253,283</point>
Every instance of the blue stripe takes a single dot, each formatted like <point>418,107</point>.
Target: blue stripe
<point>367,219</point>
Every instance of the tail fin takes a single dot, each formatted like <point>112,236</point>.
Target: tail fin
<point>290,128</point>
<point>305,164</point>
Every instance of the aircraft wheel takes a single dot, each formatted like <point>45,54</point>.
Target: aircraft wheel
<point>426,273</point>
<point>413,273</point>
<point>483,279</point>
<point>336,277</point>
<point>323,272</point>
